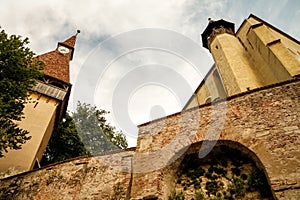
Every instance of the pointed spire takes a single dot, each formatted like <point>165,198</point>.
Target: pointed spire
<point>71,41</point>
<point>57,63</point>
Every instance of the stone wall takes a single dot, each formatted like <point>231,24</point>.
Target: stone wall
<point>264,121</point>
<point>98,177</point>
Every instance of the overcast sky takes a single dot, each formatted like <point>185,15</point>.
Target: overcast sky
<point>140,59</point>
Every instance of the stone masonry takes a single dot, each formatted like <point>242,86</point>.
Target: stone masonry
<point>264,122</point>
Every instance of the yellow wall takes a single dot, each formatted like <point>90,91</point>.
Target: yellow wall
<point>193,102</point>
<point>233,65</point>
<point>263,60</point>
<point>258,55</point>
<point>209,90</point>
<point>39,121</point>
<point>286,51</point>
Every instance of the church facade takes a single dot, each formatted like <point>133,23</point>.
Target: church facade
<point>236,138</point>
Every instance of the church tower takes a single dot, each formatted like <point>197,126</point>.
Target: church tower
<point>257,55</point>
<point>227,51</point>
<point>48,103</point>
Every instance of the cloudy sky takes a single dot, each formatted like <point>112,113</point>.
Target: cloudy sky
<point>140,59</point>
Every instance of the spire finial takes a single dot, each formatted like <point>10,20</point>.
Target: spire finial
<point>210,20</point>
<point>78,31</point>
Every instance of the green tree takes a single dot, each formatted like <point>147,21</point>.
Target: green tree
<point>86,132</point>
<point>18,72</point>
<point>65,143</point>
<point>96,133</point>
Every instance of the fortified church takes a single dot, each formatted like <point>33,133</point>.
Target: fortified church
<point>236,138</point>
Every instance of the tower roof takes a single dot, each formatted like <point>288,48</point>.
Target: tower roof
<point>71,41</point>
<point>215,27</point>
<point>57,63</point>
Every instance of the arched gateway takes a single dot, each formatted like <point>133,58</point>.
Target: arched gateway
<point>229,171</point>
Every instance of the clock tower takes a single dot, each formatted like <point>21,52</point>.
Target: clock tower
<point>48,103</point>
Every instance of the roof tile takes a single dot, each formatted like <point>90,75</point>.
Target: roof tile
<point>70,42</point>
<point>57,64</point>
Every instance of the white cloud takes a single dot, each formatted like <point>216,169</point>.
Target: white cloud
<point>50,21</point>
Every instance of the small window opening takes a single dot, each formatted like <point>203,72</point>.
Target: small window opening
<point>208,99</point>
<point>35,105</point>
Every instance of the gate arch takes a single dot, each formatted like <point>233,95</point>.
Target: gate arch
<point>229,171</point>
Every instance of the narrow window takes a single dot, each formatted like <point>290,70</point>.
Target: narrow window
<point>35,104</point>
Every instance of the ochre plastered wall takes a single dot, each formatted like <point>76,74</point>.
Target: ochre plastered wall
<point>255,37</point>
<point>257,55</point>
<point>276,43</point>
<point>210,89</point>
<point>39,121</point>
<point>233,65</point>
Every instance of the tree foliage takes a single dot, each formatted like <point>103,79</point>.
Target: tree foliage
<point>86,132</point>
<point>18,72</point>
<point>65,143</point>
<point>96,133</point>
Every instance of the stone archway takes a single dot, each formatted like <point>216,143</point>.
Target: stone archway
<point>229,171</point>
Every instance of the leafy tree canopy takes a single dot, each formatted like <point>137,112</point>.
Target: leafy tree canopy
<point>96,133</point>
<point>86,132</point>
<point>18,72</point>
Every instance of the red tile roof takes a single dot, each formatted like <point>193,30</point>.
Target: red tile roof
<point>57,64</point>
<point>70,42</point>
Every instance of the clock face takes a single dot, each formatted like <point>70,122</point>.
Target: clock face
<point>63,49</point>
